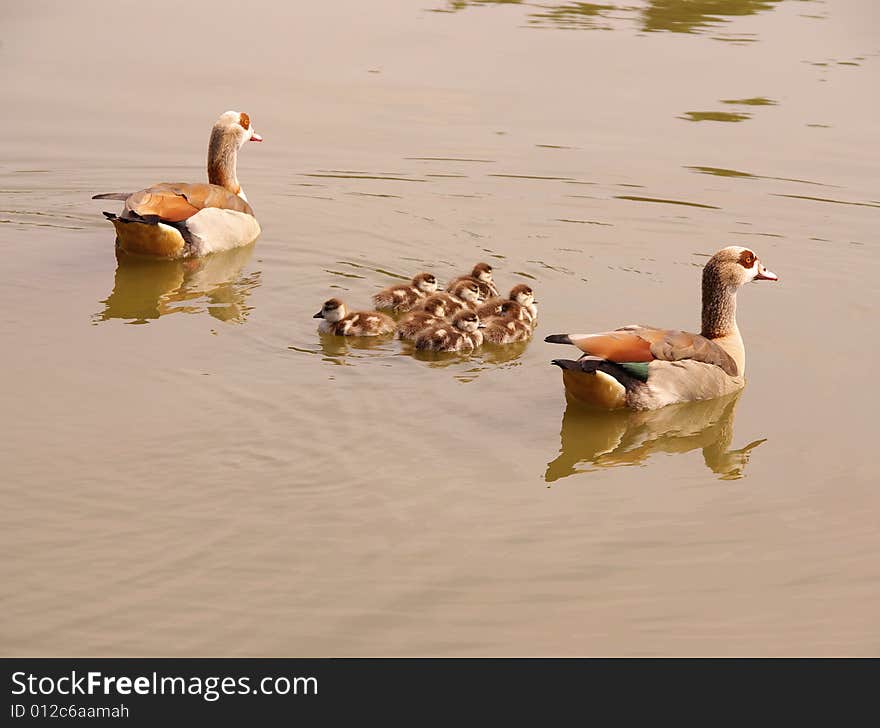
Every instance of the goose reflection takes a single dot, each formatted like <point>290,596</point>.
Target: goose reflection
<point>147,288</point>
<point>592,439</point>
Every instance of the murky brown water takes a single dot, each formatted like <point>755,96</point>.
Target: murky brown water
<point>188,468</point>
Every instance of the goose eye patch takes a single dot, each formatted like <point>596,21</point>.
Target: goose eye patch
<point>747,259</point>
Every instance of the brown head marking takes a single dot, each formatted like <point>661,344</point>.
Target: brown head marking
<point>746,259</point>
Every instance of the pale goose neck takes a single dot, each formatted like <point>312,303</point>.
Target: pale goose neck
<point>719,306</point>
<point>222,157</point>
<point>719,317</point>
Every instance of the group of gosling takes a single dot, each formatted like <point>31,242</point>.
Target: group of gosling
<point>459,319</point>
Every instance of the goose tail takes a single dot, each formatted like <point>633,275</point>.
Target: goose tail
<point>122,196</point>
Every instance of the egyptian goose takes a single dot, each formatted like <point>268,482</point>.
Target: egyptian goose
<point>482,276</point>
<point>644,368</point>
<point>181,219</point>
<point>338,321</point>
<point>463,334</point>
<point>403,297</point>
<point>510,325</point>
<point>432,311</point>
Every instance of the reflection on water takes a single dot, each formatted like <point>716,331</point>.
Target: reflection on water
<point>337,348</point>
<point>147,288</point>
<point>504,354</point>
<point>592,439</point>
<point>674,16</point>
<point>692,16</point>
<point>754,101</point>
<point>573,16</point>
<point>730,116</point>
<point>467,366</point>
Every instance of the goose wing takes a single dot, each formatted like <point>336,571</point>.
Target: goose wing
<point>647,344</point>
<point>178,201</point>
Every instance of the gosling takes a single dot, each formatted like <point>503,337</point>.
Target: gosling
<point>467,297</point>
<point>338,321</point>
<point>511,326</point>
<point>525,296</point>
<point>521,294</point>
<point>462,335</point>
<point>482,276</point>
<point>468,292</point>
<point>432,310</point>
<point>402,297</point>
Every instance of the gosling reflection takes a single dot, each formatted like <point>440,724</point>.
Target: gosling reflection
<point>147,288</point>
<point>338,346</point>
<point>504,354</point>
<point>592,439</point>
<point>487,358</point>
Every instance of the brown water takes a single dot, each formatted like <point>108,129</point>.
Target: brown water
<point>188,468</point>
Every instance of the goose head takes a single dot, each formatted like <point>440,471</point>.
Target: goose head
<point>733,267</point>
<point>235,126</point>
<point>332,311</point>
<point>466,321</point>
<point>425,282</point>
<point>482,272</point>
<point>522,294</point>
<point>724,274</point>
<point>435,305</point>
<point>514,310</point>
<point>467,291</point>
<point>228,135</point>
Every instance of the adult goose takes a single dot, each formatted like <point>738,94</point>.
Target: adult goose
<point>182,219</point>
<point>644,368</point>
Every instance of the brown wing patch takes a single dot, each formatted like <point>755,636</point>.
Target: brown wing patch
<point>642,344</point>
<point>618,346</point>
<point>672,345</point>
<point>163,204</point>
<point>177,201</point>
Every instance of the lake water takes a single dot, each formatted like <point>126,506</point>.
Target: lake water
<point>189,469</point>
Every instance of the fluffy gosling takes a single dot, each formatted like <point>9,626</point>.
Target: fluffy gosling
<point>510,326</point>
<point>432,310</point>
<point>521,294</point>
<point>482,276</point>
<point>338,321</point>
<point>402,297</point>
<point>463,334</point>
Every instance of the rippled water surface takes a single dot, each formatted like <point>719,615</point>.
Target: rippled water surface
<point>189,468</point>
